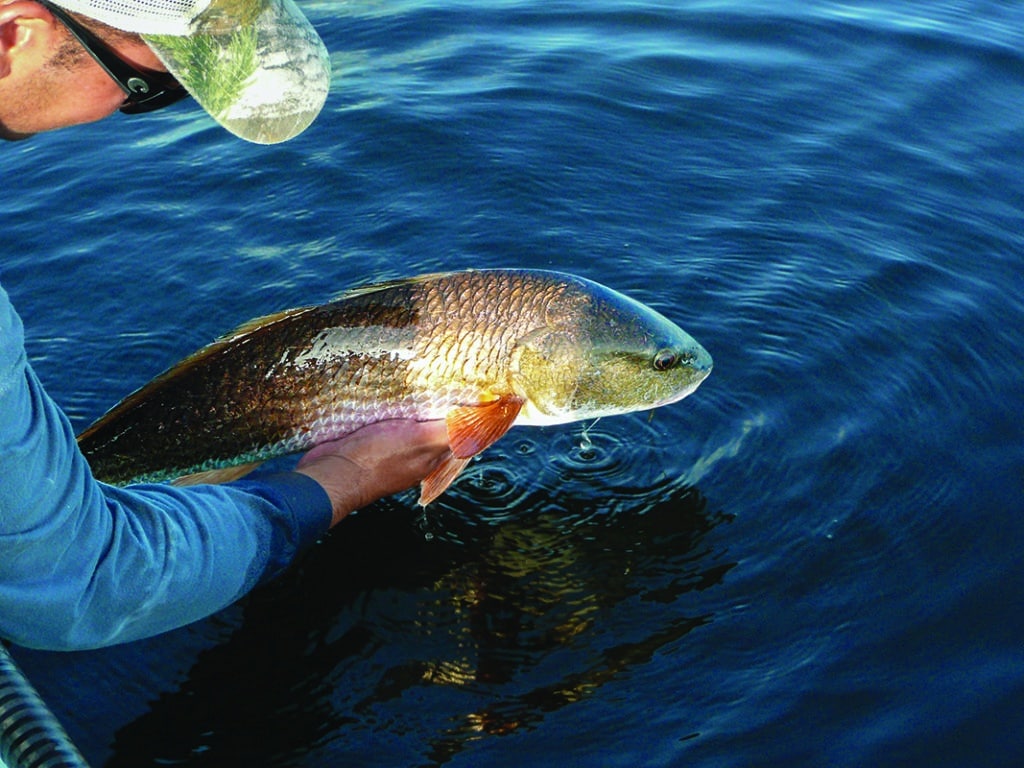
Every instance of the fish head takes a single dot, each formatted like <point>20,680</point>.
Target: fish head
<point>602,353</point>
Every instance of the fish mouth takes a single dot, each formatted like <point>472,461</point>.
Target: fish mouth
<point>701,368</point>
<point>702,361</point>
<point>681,395</point>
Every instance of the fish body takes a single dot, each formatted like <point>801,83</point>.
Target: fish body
<point>482,349</point>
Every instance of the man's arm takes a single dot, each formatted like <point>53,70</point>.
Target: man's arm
<point>84,564</point>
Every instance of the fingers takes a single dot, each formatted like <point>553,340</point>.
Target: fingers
<point>376,461</point>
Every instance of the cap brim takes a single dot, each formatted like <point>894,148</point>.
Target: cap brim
<point>257,66</point>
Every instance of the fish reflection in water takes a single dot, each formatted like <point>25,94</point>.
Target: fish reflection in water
<point>537,590</point>
<point>402,635</point>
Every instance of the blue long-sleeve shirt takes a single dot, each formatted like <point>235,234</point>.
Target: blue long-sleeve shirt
<point>83,564</point>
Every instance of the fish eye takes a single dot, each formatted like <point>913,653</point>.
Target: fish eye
<point>664,360</point>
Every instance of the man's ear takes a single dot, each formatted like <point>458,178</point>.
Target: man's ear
<point>26,28</point>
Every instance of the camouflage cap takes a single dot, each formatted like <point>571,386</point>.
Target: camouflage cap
<point>257,66</point>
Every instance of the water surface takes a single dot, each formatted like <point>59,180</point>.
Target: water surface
<point>812,561</point>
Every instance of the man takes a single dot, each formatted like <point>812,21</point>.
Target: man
<point>257,66</point>
<point>83,564</point>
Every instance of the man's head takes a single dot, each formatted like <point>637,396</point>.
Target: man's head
<point>257,66</point>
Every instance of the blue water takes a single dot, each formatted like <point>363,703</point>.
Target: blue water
<point>813,560</point>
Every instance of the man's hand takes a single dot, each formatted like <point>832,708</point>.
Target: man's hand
<point>375,461</point>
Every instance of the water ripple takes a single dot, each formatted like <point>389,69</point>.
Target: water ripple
<point>570,474</point>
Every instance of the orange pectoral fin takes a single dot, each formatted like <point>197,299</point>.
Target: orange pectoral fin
<point>471,428</point>
<point>436,482</point>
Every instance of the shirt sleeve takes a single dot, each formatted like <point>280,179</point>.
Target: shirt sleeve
<point>83,564</point>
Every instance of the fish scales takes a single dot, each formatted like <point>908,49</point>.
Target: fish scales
<point>483,349</point>
<point>487,316</point>
<point>310,376</point>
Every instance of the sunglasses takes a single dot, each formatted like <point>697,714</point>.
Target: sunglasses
<point>146,91</point>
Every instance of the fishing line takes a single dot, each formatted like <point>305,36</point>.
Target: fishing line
<point>586,444</point>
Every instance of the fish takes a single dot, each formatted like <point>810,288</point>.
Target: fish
<point>481,349</point>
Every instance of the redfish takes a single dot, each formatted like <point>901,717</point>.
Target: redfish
<point>481,349</point>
